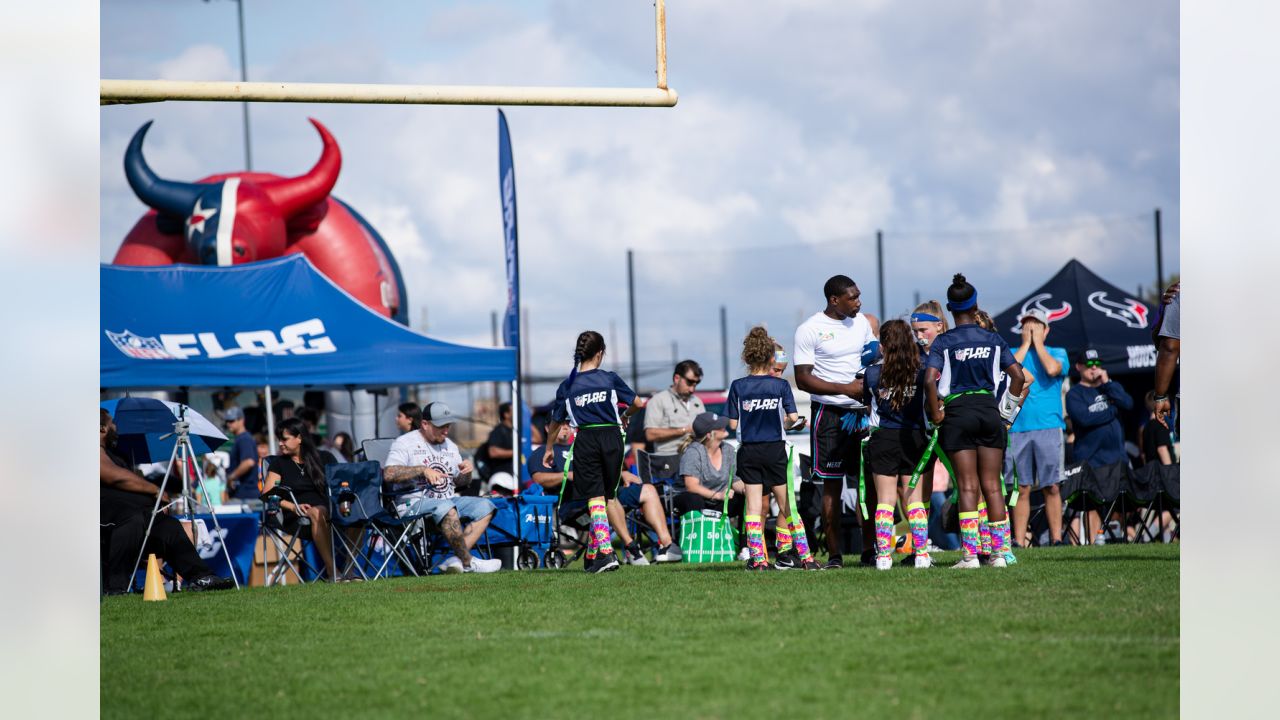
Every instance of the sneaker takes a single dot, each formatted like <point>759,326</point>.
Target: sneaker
<point>923,561</point>
<point>744,554</point>
<point>998,561</point>
<point>868,558</point>
<point>967,563</point>
<point>450,565</point>
<point>811,564</point>
<point>634,556</point>
<point>884,563</point>
<point>480,565</point>
<point>669,553</point>
<point>788,560</point>
<point>604,563</point>
<point>209,582</point>
<point>1009,558</point>
<point>761,566</point>
<point>835,562</point>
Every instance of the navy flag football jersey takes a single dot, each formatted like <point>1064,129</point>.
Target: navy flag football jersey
<point>760,404</point>
<point>910,415</point>
<point>592,399</point>
<point>969,358</point>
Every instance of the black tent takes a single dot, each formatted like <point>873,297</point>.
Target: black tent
<point>1086,311</point>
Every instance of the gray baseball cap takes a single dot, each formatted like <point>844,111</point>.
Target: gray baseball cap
<point>1035,313</point>
<point>232,413</point>
<point>438,414</point>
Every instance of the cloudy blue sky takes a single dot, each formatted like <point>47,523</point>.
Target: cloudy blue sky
<point>999,139</point>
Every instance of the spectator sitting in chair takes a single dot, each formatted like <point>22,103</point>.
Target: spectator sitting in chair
<point>300,468</point>
<point>431,461</point>
<point>1091,405</point>
<point>126,503</point>
<point>242,478</point>
<point>704,469</point>
<point>633,494</point>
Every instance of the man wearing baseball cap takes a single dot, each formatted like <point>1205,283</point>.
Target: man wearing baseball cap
<point>241,479</point>
<point>1092,406</point>
<point>1036,445</point>
<point>431,461</point>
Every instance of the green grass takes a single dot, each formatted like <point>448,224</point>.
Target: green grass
<point>1066,631</point>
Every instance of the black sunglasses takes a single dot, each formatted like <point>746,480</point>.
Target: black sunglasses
<point>691,382</point>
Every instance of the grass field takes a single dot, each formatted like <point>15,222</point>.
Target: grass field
<point>1066,631</point>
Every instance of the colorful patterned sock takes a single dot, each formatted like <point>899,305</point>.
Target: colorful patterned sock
<point>783,532</point>
<point>969,533</point>
<point>601,537</point>
<point>1000,537</point>
<point>984,529</point>
<point>918,519</point>
<point>799,539</point>
<point>755,539</point>
<point>884,530</point>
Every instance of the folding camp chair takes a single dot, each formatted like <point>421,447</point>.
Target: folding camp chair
<point>376,449</point>
<point>1170,497</point>
<point>363,494</point>
<point>1106,491</point>
<point>290,547</point>
<point>1076,478</point>
<point>659,471</point>
<point>1141,493</point>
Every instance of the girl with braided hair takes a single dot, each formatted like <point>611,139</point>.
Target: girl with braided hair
<point>962,378</point>
<point>588,400</point>
<point>894,390</point>
<point>764,408</point>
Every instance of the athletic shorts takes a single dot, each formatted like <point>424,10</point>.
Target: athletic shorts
<point>763,463</point>
<point>971,421</point>
<point>1036,457</point>
<point>895,451</point>
<point>597,462</point>
<point>835,452</point>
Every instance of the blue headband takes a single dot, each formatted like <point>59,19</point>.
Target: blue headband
<point>924,317</point>
<point>964,304</point>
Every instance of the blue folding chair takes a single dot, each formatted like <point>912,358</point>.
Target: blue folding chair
<point>359,486</point>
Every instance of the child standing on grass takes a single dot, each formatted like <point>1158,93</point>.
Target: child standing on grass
<point>763,407</point>
<point>588,400</point>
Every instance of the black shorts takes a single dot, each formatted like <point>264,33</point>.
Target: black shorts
<point>835,453</point>
<point>597,462</point>
<point>763,463</point>
<point>895,451</point>
<point>972,421</point>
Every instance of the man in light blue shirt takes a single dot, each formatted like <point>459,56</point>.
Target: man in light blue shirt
<point>1036,447</point>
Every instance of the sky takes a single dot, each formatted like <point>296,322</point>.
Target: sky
<point>997,139</point>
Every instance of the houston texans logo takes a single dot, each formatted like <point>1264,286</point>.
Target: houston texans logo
<point>1130,312</point>
<point>1037,301</point>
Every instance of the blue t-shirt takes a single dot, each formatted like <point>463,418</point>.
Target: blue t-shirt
<point>245,447</point>
<point>592,400</point>
<point>760,404</point>
<point>1096,422</point>
<point>910,415</point>
<point>969,358</point>
<point>1042,410</point>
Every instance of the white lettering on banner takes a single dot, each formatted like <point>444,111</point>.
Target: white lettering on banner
<point>595,397</point>
<point>761,404</point>
<point>303,338</point>
<point>1142,356</point>
<point>973,353</point>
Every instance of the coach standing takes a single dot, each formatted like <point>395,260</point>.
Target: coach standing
<point>828,353</point>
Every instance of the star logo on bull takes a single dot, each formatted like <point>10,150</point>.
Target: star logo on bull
<point>195,223</point>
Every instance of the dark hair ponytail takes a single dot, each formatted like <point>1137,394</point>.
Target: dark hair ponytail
<point>961,295</point>
<point>589,344</point>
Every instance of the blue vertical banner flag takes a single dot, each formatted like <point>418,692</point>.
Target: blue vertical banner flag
<point>511,321</point>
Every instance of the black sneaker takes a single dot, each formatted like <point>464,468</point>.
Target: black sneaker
<point>209,582</point>
<point>835,562</point>
<point>868,558</point>
<point>634,555</point>
<point>761,566</point>
<point>788,560</point>
<point>811,564</point>
<point>604,563</point>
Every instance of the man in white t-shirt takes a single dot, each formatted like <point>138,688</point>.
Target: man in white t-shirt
<point>427,458</point>
<point>828,354</point>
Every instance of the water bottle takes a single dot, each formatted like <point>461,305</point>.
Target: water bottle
<point>274,513</point>
<point>345,498</point>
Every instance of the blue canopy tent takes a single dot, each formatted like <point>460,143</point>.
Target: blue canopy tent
<point>273,323</point>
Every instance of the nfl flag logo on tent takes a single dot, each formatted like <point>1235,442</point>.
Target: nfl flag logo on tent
<point>136,346</point>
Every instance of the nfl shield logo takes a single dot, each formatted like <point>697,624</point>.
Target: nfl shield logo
<point>136,346</point>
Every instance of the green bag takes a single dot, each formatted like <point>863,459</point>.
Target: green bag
<point>707,539</point>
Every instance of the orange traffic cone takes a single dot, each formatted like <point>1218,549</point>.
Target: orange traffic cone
<point>154,589</point>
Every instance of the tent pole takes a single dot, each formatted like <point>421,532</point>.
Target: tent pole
<point>517,417</point>
<point>271,419</point>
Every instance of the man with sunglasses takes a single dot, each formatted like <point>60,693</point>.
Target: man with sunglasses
<point>668,419</point>
<point>1092,406</point>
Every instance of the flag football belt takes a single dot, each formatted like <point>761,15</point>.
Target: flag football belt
<point>568,460</point>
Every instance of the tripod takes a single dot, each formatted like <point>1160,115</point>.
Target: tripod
<point>183,452</point>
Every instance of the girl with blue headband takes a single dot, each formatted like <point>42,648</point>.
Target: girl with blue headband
<point>963,371</point>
